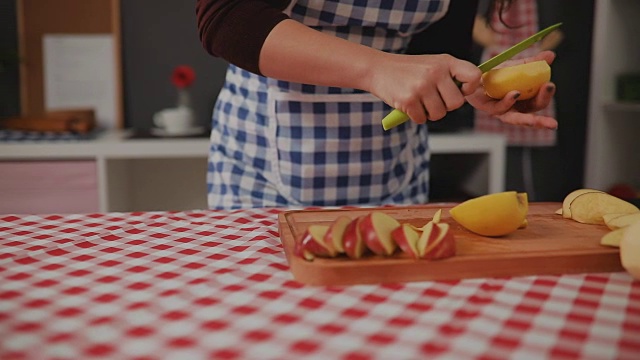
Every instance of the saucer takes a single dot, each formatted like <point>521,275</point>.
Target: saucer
<point>185,132</point>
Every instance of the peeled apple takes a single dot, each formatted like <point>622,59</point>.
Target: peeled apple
<point>526,78</point>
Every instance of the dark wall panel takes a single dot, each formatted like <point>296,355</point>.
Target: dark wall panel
<point>157,36</point>
<point>9,73</point>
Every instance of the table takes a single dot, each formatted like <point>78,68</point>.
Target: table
<point>215,284</point>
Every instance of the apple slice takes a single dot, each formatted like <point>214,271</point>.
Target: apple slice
<point>620,221</point>
<point>612,238</point>
<point>429,233</point>
<point>566,210</point>
<point>376,228</point>
<point>436,218</point>
<point>443,246</point>
<point>352,240</point>
<point>334,236</point>
<point>630,250</point>
<point>406,236</point>
<point>590,207</point>
<point>312,244</point>
<point>436,242</point>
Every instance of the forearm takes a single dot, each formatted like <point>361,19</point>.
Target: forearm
<point>295,52</point>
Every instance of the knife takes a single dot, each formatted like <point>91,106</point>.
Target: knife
<point>397,117</point>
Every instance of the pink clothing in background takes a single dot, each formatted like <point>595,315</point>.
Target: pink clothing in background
<point>522,17</point>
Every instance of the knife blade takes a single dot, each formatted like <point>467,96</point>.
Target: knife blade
<point>397,117</point>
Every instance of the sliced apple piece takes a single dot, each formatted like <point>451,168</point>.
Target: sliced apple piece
<point>443,246</point>
<point>436,242</point>
<point>429,233</point>
<point>590,207</point>
<point>612,238</point>
<point>437,216</point>
<point>352,240</point>
<point>620,221</point>
<point>608,217</point>
<point>630,250</point>
<point>566,210</point>
<point>334,236</point>
<point>376,228</point>
<point>558,212</point>
<point>406,236</point>
<point>312,244</point>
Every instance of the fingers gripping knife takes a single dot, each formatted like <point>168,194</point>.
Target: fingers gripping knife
<point>397,117</point>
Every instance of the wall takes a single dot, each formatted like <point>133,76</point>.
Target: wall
<point>157,36</point>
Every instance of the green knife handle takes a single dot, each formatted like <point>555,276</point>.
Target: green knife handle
<point>393,119</point>
<point>397,117</point>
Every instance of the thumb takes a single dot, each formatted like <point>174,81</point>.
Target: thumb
<point>468,75</point>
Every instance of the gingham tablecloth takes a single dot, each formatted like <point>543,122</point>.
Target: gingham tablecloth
<point>215,285</point>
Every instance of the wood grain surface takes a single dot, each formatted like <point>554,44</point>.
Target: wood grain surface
<point>549,245</point>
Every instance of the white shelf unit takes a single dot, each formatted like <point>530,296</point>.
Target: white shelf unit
<point>170,173</point>
<point>613,130</point>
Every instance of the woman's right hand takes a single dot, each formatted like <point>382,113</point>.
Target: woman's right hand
<point>423,86</point>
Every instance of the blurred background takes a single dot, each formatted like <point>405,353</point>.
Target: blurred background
<point>156,36</point>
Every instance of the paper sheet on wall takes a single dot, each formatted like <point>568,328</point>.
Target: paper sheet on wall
<point>80,71</point>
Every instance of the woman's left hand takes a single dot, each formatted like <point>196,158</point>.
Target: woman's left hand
<point>511,111</point>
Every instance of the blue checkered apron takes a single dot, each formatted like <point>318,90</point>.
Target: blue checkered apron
<point>284,144</point>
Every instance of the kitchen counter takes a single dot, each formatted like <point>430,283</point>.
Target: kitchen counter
<point>216,284</point>
<point>148,174</point>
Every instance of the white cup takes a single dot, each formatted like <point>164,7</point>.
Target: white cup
<point>174,120</point>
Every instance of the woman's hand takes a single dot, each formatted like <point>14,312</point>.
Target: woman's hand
<point>423,86</point>
<point>511,111</point>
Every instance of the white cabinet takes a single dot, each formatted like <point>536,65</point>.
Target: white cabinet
<point>613,131</point>
<point>170,174</point>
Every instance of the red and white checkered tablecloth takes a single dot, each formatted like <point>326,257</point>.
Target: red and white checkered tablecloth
<point>215,285</point>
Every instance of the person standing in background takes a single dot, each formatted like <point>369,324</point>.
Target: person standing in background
<point>495,32</point>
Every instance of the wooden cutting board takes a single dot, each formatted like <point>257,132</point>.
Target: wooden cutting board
<point>549,245</point>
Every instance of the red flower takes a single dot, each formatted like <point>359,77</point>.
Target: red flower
<point>183,76</point>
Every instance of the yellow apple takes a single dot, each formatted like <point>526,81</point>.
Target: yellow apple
<point>494,214</point>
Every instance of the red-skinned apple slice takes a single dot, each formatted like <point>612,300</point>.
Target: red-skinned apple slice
<point>376,228</point>
<point>334,236</point>
<point>406,237</point>
<point>312,244</point>
<point>352,240</point>
<point>436,241</point>
<point>443,246</point>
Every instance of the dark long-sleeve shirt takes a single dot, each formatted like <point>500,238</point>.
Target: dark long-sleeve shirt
<point>235,30</point>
